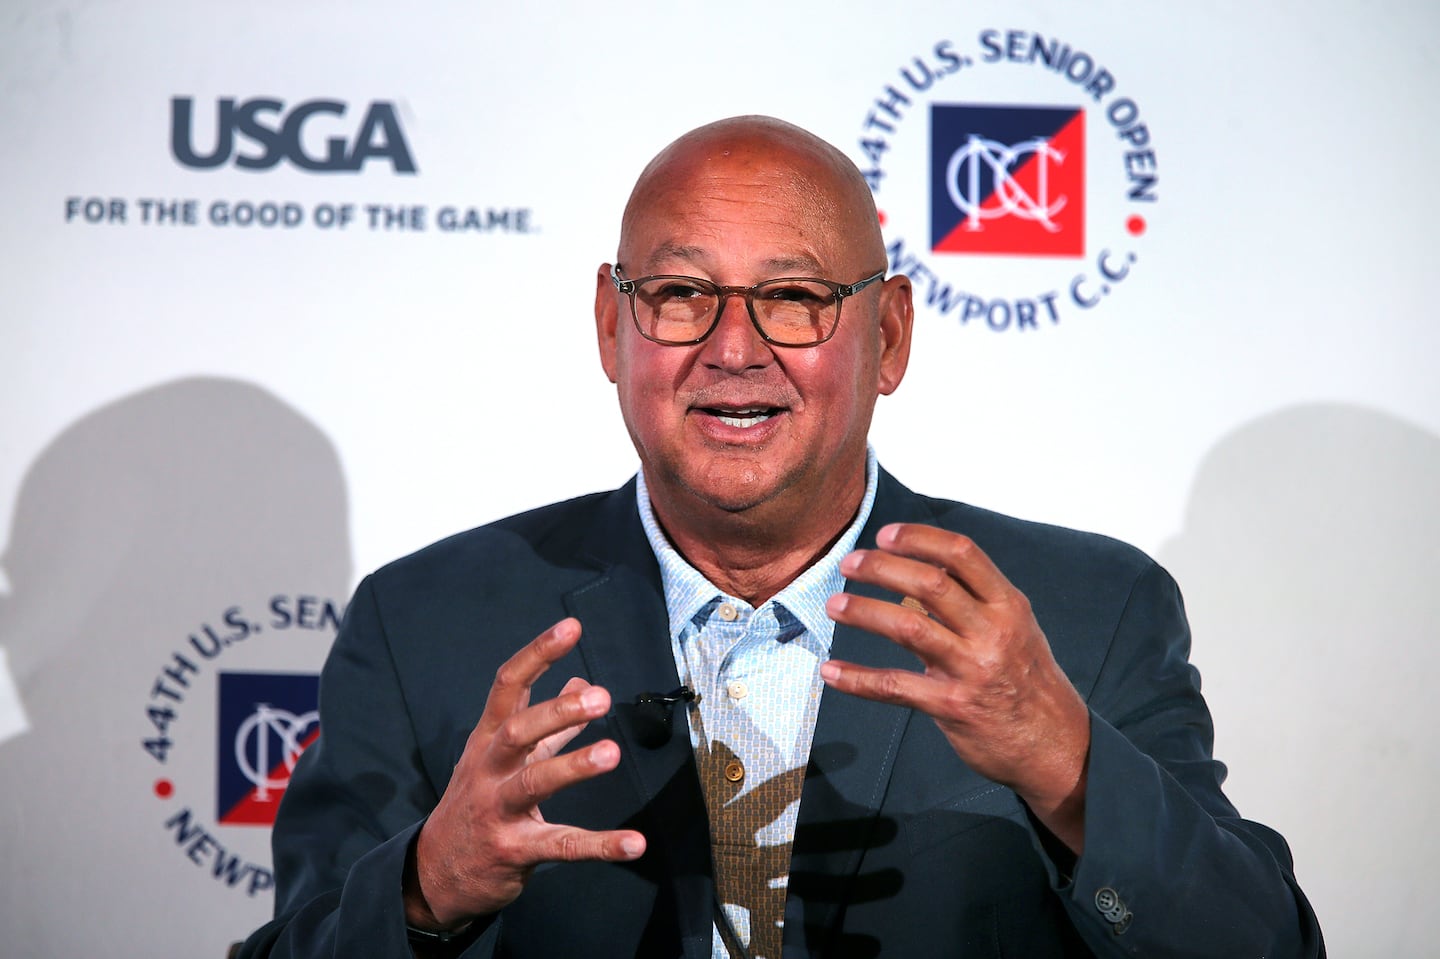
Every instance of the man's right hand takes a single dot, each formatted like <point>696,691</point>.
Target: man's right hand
<point>486,835</point>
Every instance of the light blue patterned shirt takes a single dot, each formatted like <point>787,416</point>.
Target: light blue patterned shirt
<point>756,675</point>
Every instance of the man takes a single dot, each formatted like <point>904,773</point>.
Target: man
<point>1010,756</point>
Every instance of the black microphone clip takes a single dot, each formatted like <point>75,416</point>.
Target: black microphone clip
<point>652,715</point>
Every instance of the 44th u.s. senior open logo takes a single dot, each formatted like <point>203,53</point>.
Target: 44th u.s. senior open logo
<point>232,706</point>
<point>1014,177</point>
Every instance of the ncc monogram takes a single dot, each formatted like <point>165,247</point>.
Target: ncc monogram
<point>269,771</point>
<point>998,161</point>
<point>279,134</point>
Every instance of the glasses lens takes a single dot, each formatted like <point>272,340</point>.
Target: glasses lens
<point>797,312</point>
<point>674,308</point>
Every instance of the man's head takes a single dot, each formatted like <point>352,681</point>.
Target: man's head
<point>736,424</point>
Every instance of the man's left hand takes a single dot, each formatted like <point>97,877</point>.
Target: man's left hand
<point>990,680</point>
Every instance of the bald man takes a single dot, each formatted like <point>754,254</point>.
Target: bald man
<point>763,700</point>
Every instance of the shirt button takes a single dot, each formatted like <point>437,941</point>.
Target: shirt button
<point>737,690</point>
<point>734,771</point>
<point>728,612</point>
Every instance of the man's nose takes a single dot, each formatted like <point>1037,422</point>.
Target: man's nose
<point>735,344</point>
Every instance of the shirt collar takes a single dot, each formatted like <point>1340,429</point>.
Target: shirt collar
<point>687,591</point>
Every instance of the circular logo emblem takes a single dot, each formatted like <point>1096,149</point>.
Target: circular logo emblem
<point>223,729</point>
<point>1015,178</point>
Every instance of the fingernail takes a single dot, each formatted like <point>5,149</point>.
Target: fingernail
<point>829,671</point>
<point>604,755</point>
<point>632,846</point>
<point>592,699</point>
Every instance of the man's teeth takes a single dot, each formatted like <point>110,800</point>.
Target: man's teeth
<point>743,419</point>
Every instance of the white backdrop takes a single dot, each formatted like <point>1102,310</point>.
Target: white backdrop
<point>203,425</point>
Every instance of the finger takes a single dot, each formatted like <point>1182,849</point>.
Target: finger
<point>511,689</point>
<point>555,742</point>
<point>564,716</point>
<point>935,588</point>
<point>937,646</point>
<point>536,782</point>
<point>573,844</point>
<point>895,686</point>
<point>574,684</point>
<point>953,552</point>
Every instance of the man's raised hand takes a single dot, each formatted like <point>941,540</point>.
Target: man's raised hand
<point>990,680</point>
<point>486,835</point>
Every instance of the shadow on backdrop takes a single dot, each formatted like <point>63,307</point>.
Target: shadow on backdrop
<point>137,524</point>
<point>1309,559</point>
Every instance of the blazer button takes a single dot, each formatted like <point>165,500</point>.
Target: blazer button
<point>1111,906</point>
<point>1124,923</point>
<point>734,771</point>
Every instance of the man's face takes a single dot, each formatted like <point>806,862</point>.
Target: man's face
<point>734,422</point>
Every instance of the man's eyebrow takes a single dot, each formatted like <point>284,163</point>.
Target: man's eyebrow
<point>674,251</point>
<point>797,265</point>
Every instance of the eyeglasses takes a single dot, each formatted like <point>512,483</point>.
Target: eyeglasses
<point>788,311</point>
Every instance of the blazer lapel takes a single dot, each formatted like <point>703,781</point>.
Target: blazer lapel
<point>851,760</point>
<point>626,648</point>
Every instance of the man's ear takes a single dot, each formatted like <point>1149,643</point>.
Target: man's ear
<point>607,316</point>
<point>897,322</point>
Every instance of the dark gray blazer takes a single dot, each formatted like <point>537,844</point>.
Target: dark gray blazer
<point>900,849</point>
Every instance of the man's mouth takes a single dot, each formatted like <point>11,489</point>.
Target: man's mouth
<point>742,418</point>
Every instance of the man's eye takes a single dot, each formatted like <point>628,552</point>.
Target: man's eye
<point>796,294</point>
<point>674,290</point>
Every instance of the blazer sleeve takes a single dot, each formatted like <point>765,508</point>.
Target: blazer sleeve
<point>1169,866</point>
<point>355,802</point>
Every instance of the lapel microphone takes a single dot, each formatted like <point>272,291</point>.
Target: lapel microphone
<point>652,715</point>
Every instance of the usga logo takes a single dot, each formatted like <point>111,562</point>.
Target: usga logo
<point>280,134</point>
<point>1012,211</point>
